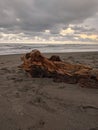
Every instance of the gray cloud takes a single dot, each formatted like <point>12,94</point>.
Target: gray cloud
<point>34,16</point>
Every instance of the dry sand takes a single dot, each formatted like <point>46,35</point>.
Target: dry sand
<point>40,104</point>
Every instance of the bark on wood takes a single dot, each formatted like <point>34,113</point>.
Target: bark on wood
<point>38,65</point>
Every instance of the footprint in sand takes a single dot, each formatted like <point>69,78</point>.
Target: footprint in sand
<point>40,102</point>
<point>38,125</point>
<point>96,128</point>
<point>90,109</point>
<point>6,70</point>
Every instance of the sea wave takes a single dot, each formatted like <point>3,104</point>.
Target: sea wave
<point>46,48</point>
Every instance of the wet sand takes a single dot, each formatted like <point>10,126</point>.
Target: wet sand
<point>40,104</point>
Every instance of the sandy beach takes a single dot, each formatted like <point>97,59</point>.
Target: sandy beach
<point>40,104</point>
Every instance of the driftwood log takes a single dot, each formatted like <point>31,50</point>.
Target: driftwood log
<point>38,65</point>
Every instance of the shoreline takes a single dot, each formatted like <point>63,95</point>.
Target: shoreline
<point>48,53</point>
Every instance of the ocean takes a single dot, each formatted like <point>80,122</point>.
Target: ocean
<point>18,48</point>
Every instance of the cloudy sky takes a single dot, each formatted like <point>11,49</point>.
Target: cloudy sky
<point>49,21</point>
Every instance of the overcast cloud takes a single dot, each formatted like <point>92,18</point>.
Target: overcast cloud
<point>54,20</point>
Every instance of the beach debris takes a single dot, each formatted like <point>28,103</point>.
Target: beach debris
<point>55,58</point>
<point>39,66</point>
